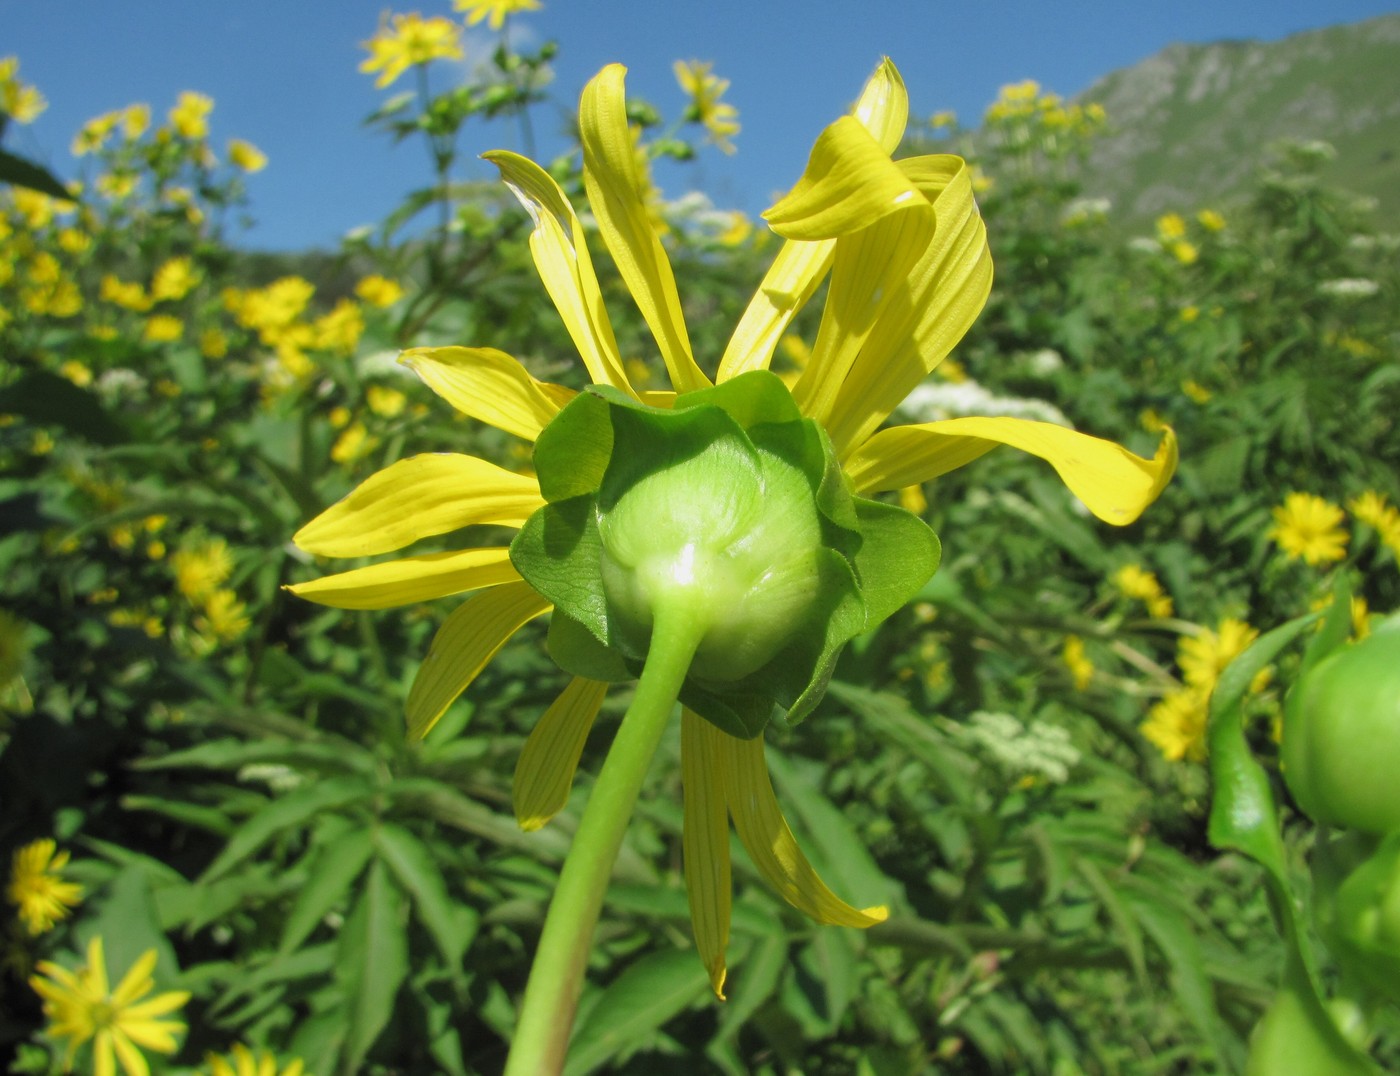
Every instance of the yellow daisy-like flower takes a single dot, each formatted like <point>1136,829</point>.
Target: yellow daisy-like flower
<point>1136,582</point>
<point>242,1061</point>
<point>1309,528</point>
<point>82,1008</point>
<point>493,12</point>
<point>1203,657</point>
<point>704,89</point>
<point>1177,724</point>
<point>190,116</point>
<point>201,569</point>
<point>37,887</point>
<point>910,270</point>
<point>20,101</point>
<point>407,40</point>
<point>162,329</point>
<point>174,279</point>
<point>245,156</point>
<point>379,290</point>
<point>1081,669</point>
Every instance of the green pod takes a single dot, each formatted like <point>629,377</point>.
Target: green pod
<point>1341,736</point>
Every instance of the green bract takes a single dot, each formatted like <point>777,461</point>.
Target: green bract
<point>1366,919</point>
<point>1341,736</point>
<point>729,509</point>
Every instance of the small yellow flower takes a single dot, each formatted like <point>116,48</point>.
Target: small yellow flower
<point>493,11</point>
<point>1196,391</point>
<point>76,372</point>
<point>1184,251</point>
<point>353,442</point>
<point>135,120</point>
<point>1170,227</point>
<point>384,401</point>
<point>1309,528</point>
<point>225,617</point>
<point>1203,657</point>
<point>1081,669</point>
<point>912,499</point>
<point>1210,220</point>
<point>81,1007</point>
<point>18,100</point>
<point>174,280</point>
<point>379,291</point>
<point>129,295</point>
<point>246,156</point>
<point>405,41</point>
<point>1136,582</point>
<point>704,89</point>
<point>201,569</point>
<point>190,116</point>
<point>340,329</point>
<point>946,118</point>
<point>242,1061</point>
<point>1177,725</point>
<point>37,887</point>
<point>162,329</point>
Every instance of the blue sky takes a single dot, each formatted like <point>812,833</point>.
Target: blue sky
<point>283,74</point>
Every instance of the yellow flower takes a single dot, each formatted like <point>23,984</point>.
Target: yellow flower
<point>37,887</point>
<point>246,156</point>
<point>1177,725</point>
<point>1309,528</point>
<point>340,328</point>
<point>190,116</point>
<point>18,100</point>
<point>162,329</point>
<point>1081,669</point>
<point>881,229</point>
<point>1203,657</point>
<point>201,569</point>
<point>719,118</point>
<point>127,294</point>
<point>493,11</point>
<point>354,441</point>
<point>1136,582</point>
<point>174,279</point>
<point>1183,251</point>
<point>379,291</point>
<point>1210,220</point>
<point>1196,391</point>
<point>225,617</point>
<point>405,41</point>
<point>135,119</point>
<point>1170,227</point>
<point>76,372</point>
<point>384,401</point>
<point>242,1061</point>
<point>81,1007</point>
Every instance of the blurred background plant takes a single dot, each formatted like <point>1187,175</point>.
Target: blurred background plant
<point>196,767</point>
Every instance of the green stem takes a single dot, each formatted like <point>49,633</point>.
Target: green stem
<point>556,977</point>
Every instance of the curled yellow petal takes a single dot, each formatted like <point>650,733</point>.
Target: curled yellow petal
<point>765,834</point>
<point>467,640</point>
<point>849,183</point>
<point>560,250</point>
<point>414,498</point>
<point>411,579</point>
<point>545,771</point>
<point>705,843</point>
<point>615,192</point>
<point>490,386</point>
<point>883,106</point>
<point>1113,483</point>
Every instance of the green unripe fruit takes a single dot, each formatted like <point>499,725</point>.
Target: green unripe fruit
<point>1341,736</point>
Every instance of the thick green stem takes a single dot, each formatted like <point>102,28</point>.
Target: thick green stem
<point>556,977</point>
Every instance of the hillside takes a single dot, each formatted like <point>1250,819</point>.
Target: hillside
<point>1191,125</point>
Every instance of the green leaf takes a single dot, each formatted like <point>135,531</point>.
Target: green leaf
<point>41,396</point>
<point>24,173</point>
<point>299,806</point>
<point>751,399</point>
<point>330,870</point>
<point>451,925</point>
<point>371,964</point>
<point>1123,921</point>
<point>572,452</point>
<point>650,992</point>
<point>559,551</point>
<point>898,554</point>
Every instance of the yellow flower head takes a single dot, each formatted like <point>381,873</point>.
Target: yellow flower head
<point>1177,725</point>
<point>174,279</point>
<point>18,100</point>
<point>225,617</point>
<point>1136,582</point>
<point>378,291</point>
<point>407,40</point>
<point>246,156</point>
<point>242,1061</point>
<point>1308,528</point>
<point>881,230</point>
<point>1171,227</point>
<point>384,401</point>
<point>1372,508</point>
<point>1210,220</point>
<point>93,135</point>
<point>494,12</point>
<point>201,569</point>
<point>37,887</point>
<point>1081,669</point>
<point>190,116</point>
<point>704,89</point>
<point>135,120</point>
<point>1203,657</point>
<point>162,329</point>
<point>82,1008</point>
<point>339,330</point>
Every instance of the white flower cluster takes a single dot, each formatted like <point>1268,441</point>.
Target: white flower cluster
<point>935,400</point>
<point>1038,749</point>
<point>1349,288</point>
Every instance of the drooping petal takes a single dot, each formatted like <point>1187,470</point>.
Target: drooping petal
<point>883,109</point>
<point>490,386</point>
<point>1113,483</point>
<point>761,827</point>
<point>849,183</point>
<point>560,250</point>
<point>545,772</point>
<point>132,1060</point>
<point>414,498</point>
<point>870,275</point>
<point>705,843</point>
<point>615,193</point>
<point>467,640</point>
<point>928,313</point>
<point>411,579</point>
<point>104,1061</point>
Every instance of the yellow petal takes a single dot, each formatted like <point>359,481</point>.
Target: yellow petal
<point>132,1060</point>
<point>849,183</point>
<point>423,495</point>
<point>1113,483</point>
<point>545,772</point>
<point>411,579</point>
<point>931,310</point>
<point>560,250</point>
<point>490,386</point>
<point>760,824</point>
<point>869,278</point>
<point>104,1062</point>
<point>136,981</point>
<point>615,193</point>
<point>883,110</point>
<point>467,640</point>
<point>705,843</point>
